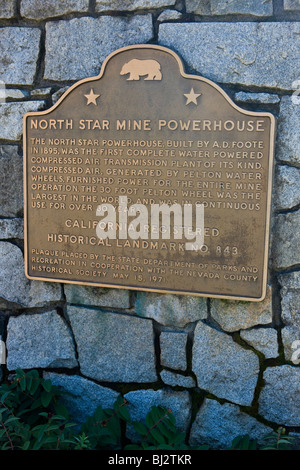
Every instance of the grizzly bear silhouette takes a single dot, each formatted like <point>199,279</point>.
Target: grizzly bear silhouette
<point>148,68</point>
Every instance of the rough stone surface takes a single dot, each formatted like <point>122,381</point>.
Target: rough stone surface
<point>40,92</point>
<point>36,10</point>
<point>236,52</point>
<point>39,340</point>
<point>223,367</point>
<point>113,347</point>
<point>169,309</point>
<point>83,396</point>
<point>263,98</point>
<point>11,177</point>
<point>169,15</point>
<point>198,7</point>
<point>290,314</point>
<point>279,400</point>
<point>11,228</point>
<point>287,187</point>
<point>263,340</point>
<point>59,93</point>
<point>291,5</point>
<point>130,5</point>
<point>11,117</point>
<point>173,350</point>
<point>19,50</point>
<point>221,7</point>
<point>234,43</point>
<point>234,315</point>
<point>97,37</point>
<point>288,142</point>
<point>286,240</point>
<point>7,8</point>
<point>12,94</point>
<point>97,296</point>
<point>251,7</point>
<point>217,425</point>
<point>15,289</point>
<point>173,379</point>
<point>290,298</point>
<point>141,402</point>
<point>291,343</point>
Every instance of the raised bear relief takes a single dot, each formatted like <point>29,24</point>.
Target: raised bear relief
<point>150,69</point>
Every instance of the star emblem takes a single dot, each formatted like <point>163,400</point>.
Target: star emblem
<point>91,97</point>
<point>191,97</point>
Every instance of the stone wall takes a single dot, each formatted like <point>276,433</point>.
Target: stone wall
<point>224,367</point>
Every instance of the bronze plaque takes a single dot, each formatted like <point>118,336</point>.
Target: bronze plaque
<point>146,133</point>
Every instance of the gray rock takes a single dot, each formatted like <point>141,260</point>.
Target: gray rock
<point>16,291</point>
<point>290,314</point>
<point>169,15</point>
<point>233,315</point>
<point>287,187</point>
<point>291,5</point>
<point>291,343</point>
<point>261,98</point>
<point>11,228</point>
<point>131,5</point>
<point>217,425</point>
<point>199,7</point>
<point>173,379</point>
<point>97,296</point>
<point>219,7</point>
<point>11,188</point>
<point>82,396</point>
<point>290,298</point>
<point>223,367</point>
<point>263,340</point>
<point>285,240</point>
<point>12,94</point>
<point>40,92</point>
<point>11,117</point>
<point>39,340</point>
<point>279,400</point>
<point>59,93</point>
<point>7,8</point>
<point>169,309</point>
<point>250,7</point>
<point>113,347</point>
<point>173,349</point>
<point>141,402</point>
<point>19,53</point>
<point>97,37</point>
<point>288,145</point>
<point>36,10</point>
<point>236,52</point>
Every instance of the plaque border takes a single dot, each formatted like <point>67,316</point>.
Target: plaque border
<point>234,105</point>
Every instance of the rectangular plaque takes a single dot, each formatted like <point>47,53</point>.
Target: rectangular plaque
<point>146,131</point>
